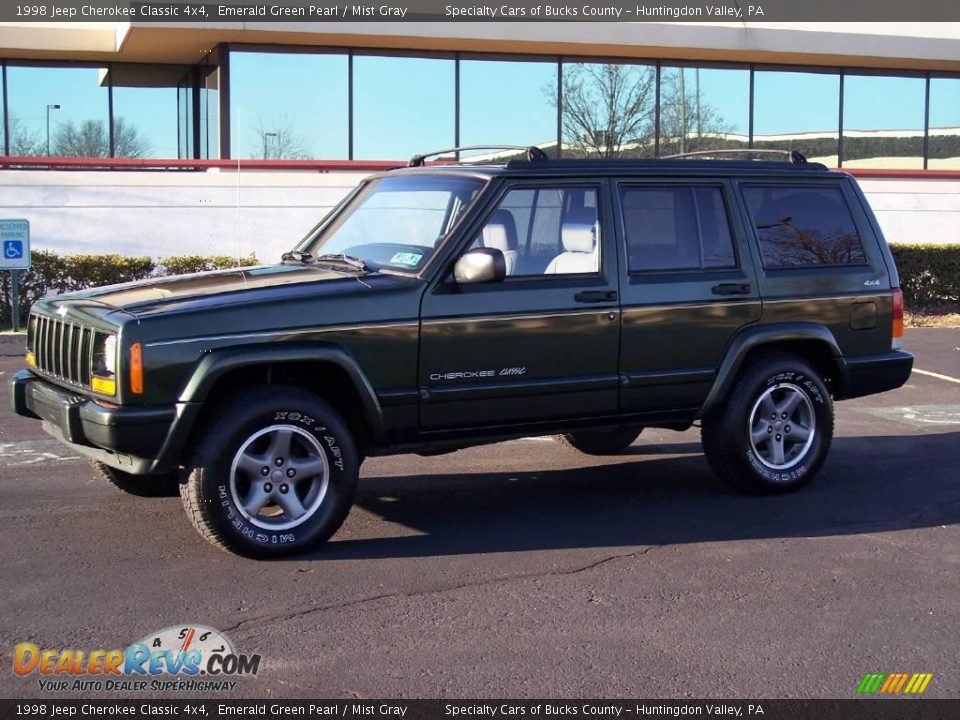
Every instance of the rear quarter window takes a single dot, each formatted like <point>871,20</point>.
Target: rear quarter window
<point>800,227</point>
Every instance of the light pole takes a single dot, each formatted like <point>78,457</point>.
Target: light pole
<point>49,108</point>
<point>266,144</point>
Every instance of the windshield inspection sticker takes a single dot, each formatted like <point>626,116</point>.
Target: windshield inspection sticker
<point>406,258</point>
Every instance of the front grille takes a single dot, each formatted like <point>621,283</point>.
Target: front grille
<point>63,350</point>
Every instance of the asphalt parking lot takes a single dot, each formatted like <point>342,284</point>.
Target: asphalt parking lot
<point>526,570</point>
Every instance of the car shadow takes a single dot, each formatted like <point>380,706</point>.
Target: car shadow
<point>868,484</point>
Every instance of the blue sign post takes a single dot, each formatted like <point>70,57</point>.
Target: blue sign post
<point>14,256</point>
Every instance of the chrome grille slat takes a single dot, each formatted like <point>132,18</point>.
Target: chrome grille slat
<point>63,350</point>
<point>57,355</point>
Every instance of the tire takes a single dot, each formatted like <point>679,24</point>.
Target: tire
<point>741,443</point>
<point>601,442</point>
<point>239,492</point>
<point>166,485</point>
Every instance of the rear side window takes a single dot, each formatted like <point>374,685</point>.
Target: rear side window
<point>803,227</point>
<point>676,228</point>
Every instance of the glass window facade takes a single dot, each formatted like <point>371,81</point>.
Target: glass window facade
<point>703,109</point>
<point>798,111</point>
<point>943,150</point>
<point>60,111</point>
<point>341,104</point>
<point>145,114</point>
<point>608,109</point>
<point>522,111</point>
<point>883,121</point>
<point>402,106</point>
<point>289,106</point>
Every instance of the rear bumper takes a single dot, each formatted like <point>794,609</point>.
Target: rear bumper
<point>871,374</point>
<point>127,438</point>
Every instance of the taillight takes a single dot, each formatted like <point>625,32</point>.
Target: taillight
<point>897,314</point>
<point>136,369</point>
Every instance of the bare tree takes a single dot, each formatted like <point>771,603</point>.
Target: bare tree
<point>91,139</point>
<point>278,141</point>
<point>607,109</point>
<point>127,140</point>
<point>23,141</point>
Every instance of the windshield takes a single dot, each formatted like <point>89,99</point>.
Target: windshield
<point>396,222</point>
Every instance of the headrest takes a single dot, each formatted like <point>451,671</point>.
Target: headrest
<point>500,232</point>
<point>577,237</point>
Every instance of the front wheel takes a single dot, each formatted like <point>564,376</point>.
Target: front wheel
<point>775,429</point>
<point>275,475</point>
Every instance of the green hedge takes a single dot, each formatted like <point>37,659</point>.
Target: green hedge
<point>53,274</point>
<point>929,274</point>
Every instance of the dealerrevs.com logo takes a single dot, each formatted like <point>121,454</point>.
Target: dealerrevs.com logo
<point>177,658</point>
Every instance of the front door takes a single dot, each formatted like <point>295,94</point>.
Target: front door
<point>542,344</point>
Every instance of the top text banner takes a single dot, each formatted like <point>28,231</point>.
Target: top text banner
<point>485,11</point>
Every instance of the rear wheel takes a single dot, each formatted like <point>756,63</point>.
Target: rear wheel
<point>774,430</point>
<point>165,485</point>
<point>601,442</point>
<point>275,475</point>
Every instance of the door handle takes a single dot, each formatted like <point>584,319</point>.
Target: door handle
<point>595,296</point>
<point>731,289</point>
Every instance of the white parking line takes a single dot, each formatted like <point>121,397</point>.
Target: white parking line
<point>938,376</point>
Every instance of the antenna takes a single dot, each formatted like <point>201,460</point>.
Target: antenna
<point>237,113</point>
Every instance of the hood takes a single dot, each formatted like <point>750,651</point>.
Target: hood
<point>209,288</point>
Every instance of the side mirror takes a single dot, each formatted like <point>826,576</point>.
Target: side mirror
<point>481,265</point>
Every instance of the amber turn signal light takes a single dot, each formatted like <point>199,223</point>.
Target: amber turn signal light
<point>136,369</point>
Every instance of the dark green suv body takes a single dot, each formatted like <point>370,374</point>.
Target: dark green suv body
<point>445,306</point>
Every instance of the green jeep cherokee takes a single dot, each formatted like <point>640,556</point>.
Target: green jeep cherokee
<point>444,306</point>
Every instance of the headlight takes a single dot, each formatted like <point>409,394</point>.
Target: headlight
<point>104,364</point>
<point>31,331</point>
<point>110,354</point>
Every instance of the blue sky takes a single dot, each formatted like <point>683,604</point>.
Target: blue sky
<point>405,105</point>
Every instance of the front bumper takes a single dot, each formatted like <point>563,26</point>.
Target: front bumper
<point>131,439</point>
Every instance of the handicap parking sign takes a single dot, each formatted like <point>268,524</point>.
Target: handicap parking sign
<point>13,249</point>
<point>15,241</point>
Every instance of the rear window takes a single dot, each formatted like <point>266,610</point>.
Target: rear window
<point>803,227</point>
<point>676,228</point>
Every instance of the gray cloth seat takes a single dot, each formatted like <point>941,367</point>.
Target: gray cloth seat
<point>579,250</point>
<point>500,233</point>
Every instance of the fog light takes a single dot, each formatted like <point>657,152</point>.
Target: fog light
<point>31,360</point>
<point>104,386</point>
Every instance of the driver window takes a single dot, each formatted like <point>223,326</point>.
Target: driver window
<point>545,231</point>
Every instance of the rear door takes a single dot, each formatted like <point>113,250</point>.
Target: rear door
<point>542,344</point>
<point>820,261</point>
<point>689,286</point>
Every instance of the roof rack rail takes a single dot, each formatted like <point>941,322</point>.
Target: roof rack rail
<point>792,156</point>
<point>532,152</point>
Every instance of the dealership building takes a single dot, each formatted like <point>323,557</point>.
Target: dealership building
<point>235,137</point>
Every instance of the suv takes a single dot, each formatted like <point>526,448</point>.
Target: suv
<point>443,306</point>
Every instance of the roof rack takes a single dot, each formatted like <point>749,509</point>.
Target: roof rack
<point>532,152</point>
<point>792,156</point>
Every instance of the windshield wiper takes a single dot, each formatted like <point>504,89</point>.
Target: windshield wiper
<point>301,256</point>
<point>348,260</point>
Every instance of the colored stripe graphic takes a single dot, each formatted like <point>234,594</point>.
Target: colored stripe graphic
<point>870,683</point>
<point>894,683</point>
